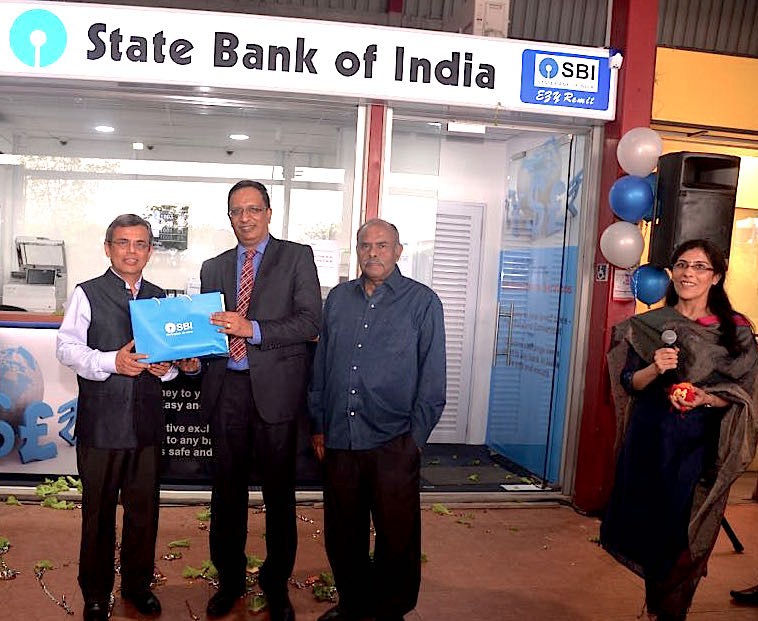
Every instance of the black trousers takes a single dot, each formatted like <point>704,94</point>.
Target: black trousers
<point>240,435</point>
<point>104,473</point>
<point>380,484</point>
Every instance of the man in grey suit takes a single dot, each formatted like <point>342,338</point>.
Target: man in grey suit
<point>255,397</point>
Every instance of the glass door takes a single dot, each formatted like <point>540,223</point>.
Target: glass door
<point>536,293</point>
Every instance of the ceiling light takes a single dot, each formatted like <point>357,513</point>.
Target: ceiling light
<point>105,129</point>
<point>239,136</point>
<point>466,128</point>
<point>138,146</point>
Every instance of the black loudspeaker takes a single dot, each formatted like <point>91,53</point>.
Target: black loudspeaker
<point>694,199</point>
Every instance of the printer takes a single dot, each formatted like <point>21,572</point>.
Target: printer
<point>39,285</point>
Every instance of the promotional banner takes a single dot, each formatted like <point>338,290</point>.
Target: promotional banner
<point>38,398</point>
<point>251,52</point>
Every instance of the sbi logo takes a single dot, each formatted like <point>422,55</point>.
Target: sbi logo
<point>548,68</point>
<point>172,328</point>
<point>38,38</point>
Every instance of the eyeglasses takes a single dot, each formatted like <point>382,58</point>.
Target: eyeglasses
<point>236,212</point>
<point>697,266</point>
<point>123,244</point>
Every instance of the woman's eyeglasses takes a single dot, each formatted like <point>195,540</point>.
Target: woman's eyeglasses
<point>697,266</point>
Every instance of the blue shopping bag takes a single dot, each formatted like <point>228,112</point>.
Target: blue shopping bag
<point>176,328</point>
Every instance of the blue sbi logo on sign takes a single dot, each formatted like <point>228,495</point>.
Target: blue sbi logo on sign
<point>38,38</point>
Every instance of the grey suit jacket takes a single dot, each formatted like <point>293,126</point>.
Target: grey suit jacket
<point>286,303</point>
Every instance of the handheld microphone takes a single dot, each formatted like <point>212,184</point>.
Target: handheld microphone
<point>669,339</point>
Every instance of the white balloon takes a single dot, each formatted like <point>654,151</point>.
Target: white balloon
<point>622,244</point>
<point>638,151</point>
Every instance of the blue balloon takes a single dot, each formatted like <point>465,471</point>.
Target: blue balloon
<point>631,198</point>
<point>649,283</point>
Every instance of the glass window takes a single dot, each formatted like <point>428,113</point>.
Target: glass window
<point>171,160</point>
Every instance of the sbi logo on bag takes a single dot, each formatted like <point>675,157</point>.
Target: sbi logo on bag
<point>177,329</point>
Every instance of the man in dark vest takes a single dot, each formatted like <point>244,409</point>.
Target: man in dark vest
<point>119,426</point>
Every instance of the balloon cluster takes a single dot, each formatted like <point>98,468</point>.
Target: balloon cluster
<point>631,198</point>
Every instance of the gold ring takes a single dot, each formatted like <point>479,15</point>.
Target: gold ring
<point>228,325</point>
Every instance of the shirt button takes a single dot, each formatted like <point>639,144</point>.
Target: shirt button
<point>352,413</point>
<point>365,325</point>
<point>373,306</point>
<point>352,392</point>
<point>359,345</point>
<point>355,368</point>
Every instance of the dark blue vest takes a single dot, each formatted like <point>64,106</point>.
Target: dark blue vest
<point>122,412</point>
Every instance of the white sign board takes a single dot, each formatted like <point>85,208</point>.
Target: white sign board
<point>262,53</point>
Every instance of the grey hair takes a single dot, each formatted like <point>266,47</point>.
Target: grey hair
<point>128,219</point>
<point>388,225</point>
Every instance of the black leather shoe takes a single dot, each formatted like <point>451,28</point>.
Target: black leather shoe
<point>95,611</point>
<point>145,602</point>
<point>281,610</point>
<point>222,602</point>
<point>746,596</point>
<point>335,613</point>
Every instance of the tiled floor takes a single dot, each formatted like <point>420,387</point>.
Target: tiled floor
<point>485,563</point>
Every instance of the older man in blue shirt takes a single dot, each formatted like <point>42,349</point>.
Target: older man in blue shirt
<point>378,390</point>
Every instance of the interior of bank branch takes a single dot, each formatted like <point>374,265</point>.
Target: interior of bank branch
<point>491,214</point>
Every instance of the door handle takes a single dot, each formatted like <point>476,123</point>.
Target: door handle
<point>507,353</point>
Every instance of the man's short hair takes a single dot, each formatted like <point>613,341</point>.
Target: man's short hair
<point>247,183</point>
<point>128,219</point>
<point>388,225</point>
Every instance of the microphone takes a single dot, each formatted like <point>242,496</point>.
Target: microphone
<point>669,339</point>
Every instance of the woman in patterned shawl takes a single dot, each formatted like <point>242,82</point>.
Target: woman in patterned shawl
<point>679,451</point>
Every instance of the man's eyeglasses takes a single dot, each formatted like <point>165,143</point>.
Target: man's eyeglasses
<point>236,212</point>
<point>123,244</point>
<point>697,266</point>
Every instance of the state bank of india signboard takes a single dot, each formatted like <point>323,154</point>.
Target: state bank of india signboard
<point>261,53</point>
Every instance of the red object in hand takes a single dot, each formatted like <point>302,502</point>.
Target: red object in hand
<point>684,391</point>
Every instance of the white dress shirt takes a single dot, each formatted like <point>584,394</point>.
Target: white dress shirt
<point>71,343</point>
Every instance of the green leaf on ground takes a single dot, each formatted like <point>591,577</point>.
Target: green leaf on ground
<point>43,565</point>
<point>179,543</point>
<point>473,477</point>
<point>464,521</point>
<point>253,561</point>
<point>257,603</point>
<point>12,500</point>
<point>206,570</point>
<point>595,539</point>
<point>440,509</point>
<point>74,483</point>
<point>424,558</point>
<point>4,542</point>
<point>323,589</point>
<point>204,515</point>
<point>52,502</point>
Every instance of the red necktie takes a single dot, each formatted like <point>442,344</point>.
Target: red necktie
<point>237,343</point>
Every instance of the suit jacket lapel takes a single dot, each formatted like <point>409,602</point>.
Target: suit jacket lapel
<point>268,265</point>
<point>229,279</point>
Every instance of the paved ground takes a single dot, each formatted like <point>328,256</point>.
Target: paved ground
<point>497,562</point>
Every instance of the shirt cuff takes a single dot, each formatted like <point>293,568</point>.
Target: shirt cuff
<point>107,361</point>
<point>256,338</point>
